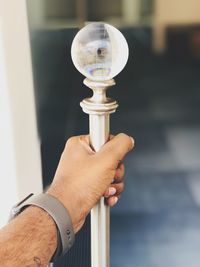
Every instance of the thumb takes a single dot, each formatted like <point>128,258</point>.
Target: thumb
<point>117,148</point>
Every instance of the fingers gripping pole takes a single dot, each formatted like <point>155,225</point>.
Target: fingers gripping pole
<point>100,214</point>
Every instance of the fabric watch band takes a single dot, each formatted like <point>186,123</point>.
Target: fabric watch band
<point>59,214</point>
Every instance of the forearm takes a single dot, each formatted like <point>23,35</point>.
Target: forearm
<point>82,177</point>
<point>29,240</point>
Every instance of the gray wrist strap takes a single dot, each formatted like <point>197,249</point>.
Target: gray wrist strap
<point>59,214</point>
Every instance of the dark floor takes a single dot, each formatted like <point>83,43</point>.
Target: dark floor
<point>157,222</point>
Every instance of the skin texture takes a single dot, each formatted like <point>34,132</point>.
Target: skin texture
<point>82,177</point>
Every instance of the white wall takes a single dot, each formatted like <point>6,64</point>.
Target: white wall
<point>20,167</point>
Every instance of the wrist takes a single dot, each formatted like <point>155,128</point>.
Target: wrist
<point>33,213</point>
<point>54,208</point>
<point>70,202</point>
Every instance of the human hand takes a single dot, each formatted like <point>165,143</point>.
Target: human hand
<point>83,175</point>
<point>115,189</point>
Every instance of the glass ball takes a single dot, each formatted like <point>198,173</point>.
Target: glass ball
<point>99,51</point>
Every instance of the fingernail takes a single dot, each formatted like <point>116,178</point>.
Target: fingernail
<point>132,140</point>
<point>112,191</point>
<point>115,199</point>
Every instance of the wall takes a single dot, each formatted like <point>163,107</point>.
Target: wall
<point>20,167</point>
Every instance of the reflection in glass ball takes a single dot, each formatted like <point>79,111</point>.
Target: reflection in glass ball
<point>99,51</point>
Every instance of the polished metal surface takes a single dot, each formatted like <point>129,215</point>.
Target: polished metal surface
<point>100,215</point>
<point>99,108</point>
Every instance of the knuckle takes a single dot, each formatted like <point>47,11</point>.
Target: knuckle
<point>127,140</point>
<point>119,175</point>
<point>71,140</point>
<point>112,136</point>
<point>123,135</point>
<point>122,187</point>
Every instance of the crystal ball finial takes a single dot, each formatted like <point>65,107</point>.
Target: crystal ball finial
<point>99,51</point>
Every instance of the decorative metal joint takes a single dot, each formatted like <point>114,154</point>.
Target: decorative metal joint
<point>99,103</point>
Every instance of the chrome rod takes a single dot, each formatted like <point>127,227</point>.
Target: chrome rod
<point>99,108</point>
<point>99,57</point>
<point>100,214</point>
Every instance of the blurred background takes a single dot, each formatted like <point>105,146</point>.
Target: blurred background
<point>157,222</point>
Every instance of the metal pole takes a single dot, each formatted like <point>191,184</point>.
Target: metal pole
<point>100,214</point>
<point>99,52</point>
<point>99,108</point>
